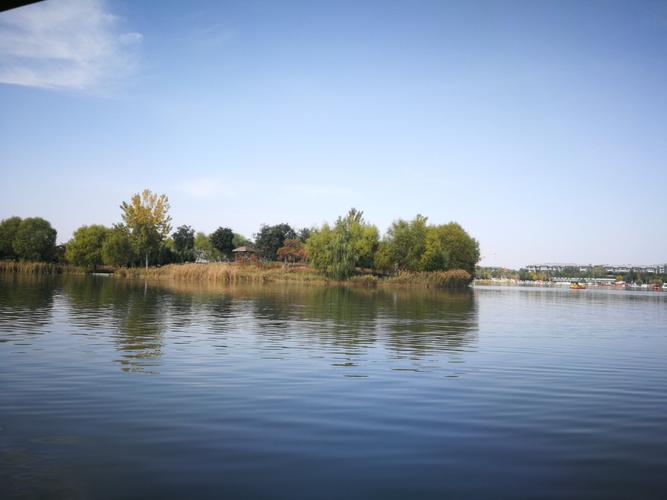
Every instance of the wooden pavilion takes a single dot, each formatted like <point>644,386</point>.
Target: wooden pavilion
<point>244,254</point>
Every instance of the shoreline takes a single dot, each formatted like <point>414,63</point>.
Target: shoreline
<point>227,274</point>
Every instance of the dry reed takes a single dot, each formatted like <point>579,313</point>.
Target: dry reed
<point>455,278</point>
<point>231,273</point>
<point>12,266</point>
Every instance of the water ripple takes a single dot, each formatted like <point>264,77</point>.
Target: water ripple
<point>110,388</point>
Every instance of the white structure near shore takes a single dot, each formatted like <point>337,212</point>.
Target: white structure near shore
<point>612,269</point>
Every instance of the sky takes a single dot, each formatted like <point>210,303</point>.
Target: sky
<point>541,127</point>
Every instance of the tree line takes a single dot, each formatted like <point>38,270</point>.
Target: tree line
<point>144,237</point>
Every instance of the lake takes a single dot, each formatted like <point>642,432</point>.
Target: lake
<point>111,388</point>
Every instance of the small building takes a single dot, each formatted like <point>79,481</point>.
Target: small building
<point>244,254</point>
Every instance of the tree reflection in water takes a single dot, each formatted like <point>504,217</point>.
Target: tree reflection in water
<point>26,306</point>
<point>342,322</point>
<point>409,323</point>
<point>134,314</point>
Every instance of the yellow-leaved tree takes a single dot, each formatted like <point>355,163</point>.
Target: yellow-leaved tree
<point>146,215</point>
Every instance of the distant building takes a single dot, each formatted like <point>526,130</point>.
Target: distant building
<point>551,268</point>
<point>244,254</point>
<point>610,269</point>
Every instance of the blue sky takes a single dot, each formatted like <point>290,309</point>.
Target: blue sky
<point>540,126</point>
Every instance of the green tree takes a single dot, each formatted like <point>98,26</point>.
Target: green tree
<point>222,239</point>
<point>365,238</point>
<point>8,229</point>
<point>271,238</point>
<point>240,240</point>
<point>435,256</point>
<point>166,253</point>
<point>35,239</point>
<point>184,243</point>
<point>147,217</point>
<point>204,249</point>
<point>406,243</point>
<point>329,251</point>
<point>59,255</point>
<point>339,250</point>
<point>118,249</point>
<point>382,258</point>
<point>304,233</point>
<point>415,246</point>
<point>461,250</point>
<point>85,247</point>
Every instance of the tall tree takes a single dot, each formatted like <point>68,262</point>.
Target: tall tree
<point>35,239</point>
<point>415,246</point>
<point>405,243</point>
<point>222,240</point>
<point>85,247</point>
<point>204,250</point>
<point>184,243</point>
<point>338,250</point>
<point>147,217</point>
<point>8,228</point>
<point>271,238</point>
<point>304,233</point>
<point>462,250</point>
<point>365,238</point>
<point>435,256</point>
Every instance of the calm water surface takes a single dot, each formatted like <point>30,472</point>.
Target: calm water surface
<point>113,389</point>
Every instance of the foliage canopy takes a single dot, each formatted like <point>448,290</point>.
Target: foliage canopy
<point>146,215</point>
<point>271,238</point>
<point>222,239</point>
<point>85,247</point>
<point>8,229</point>
<point>35,240</point>
<point>184,243</point>
<point>336,251</point>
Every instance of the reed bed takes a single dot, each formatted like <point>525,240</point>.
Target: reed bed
<point>12,266</point>
<point>455,278</point>
<point>224,273</point>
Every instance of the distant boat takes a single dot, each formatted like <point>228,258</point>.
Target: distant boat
<point>577,286</point>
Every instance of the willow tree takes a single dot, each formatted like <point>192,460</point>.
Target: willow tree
<point>337,251</point>
<point>146,215</point>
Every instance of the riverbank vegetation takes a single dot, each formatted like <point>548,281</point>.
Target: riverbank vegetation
<point>227,273</point>
<point>26,267</point>
<point>411,252</point>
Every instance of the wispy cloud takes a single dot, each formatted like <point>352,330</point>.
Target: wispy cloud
<point>71,44</point>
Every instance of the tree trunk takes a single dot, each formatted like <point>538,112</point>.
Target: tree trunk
<point>146,260</point>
